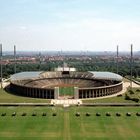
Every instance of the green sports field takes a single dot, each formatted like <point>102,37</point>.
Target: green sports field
<point>67,126</point>
<point>66,91</point>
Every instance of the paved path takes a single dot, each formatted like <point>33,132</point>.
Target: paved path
<point>111,104</point>
<point>66,131</point>
<point>25,104</point>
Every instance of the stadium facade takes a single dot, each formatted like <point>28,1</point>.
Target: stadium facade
<point>47,84</point>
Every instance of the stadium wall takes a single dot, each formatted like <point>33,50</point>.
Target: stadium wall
<point>79,93</point>
<point>32,91</point>
<point>99,91</point>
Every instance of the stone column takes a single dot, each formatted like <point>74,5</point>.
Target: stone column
<point>86,93</point>
<point>56,92</point>
<point>105,91</point>
<point>35,93</point>
<point>43,93</point>
<point>90,95</point>
<point>102,92</point>
<point>82,94</point>
<point>76,93</point>
<point>29,90</point>
<point>94,93</point>
<point>26,92</point>
<point>38,93</point>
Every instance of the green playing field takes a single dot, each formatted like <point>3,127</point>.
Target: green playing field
<point>66,91</point>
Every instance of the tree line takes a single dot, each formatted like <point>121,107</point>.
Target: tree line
<point>123,67</point>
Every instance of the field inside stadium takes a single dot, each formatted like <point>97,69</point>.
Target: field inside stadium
<point>67,126</point>
<point>66,91</point>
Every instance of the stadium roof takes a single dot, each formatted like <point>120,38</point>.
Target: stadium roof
<point>106,75</point>
<point>25,75</point>
<point>96,75</point>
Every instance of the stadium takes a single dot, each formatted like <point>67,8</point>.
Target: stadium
<point>66,82</point>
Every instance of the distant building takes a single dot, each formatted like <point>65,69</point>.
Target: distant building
<point>65,68</point>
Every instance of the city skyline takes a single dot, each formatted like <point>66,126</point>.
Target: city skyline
<point>69,25</point>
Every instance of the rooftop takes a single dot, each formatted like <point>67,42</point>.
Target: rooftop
<point>106,75</point>
<point>96,75</point>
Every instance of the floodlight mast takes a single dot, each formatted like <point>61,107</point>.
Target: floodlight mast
<point>15,59</point>
<point>117,57</point>
<point>131,66</point>
<point>39,61</point>
<point>1,72</point>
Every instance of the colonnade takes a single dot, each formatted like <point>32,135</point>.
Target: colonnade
<point>99,92</point>
<point>32,92</point>
<point>53,93</point>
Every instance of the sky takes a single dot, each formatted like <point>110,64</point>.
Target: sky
<point>70,25</point>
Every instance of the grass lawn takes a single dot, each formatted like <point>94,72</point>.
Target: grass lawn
<point>109,100</point>
<point>11,98</point>
<point>66,126</point>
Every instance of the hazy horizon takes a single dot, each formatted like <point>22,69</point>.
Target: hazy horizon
<point>77,25</point>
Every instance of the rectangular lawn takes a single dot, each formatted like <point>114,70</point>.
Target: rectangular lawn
<point>67,126</point>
